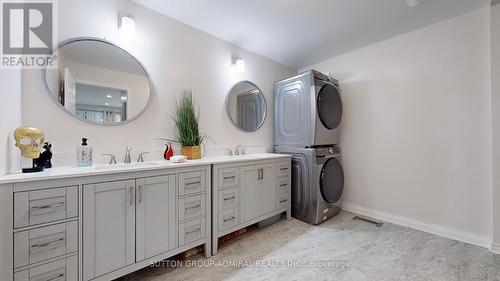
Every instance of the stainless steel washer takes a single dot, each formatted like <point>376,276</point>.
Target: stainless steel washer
<point>317,182</point>
<point>308,111</point>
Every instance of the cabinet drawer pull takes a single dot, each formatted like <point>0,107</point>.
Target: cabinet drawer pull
<point>193,231</point>
<point>231,177</point>
<point>57,278</point>
<point>190,184</point>
<point>283,200</point>
<point>140,193</point>
<point>55,205</point>
<point>229,219</point>
<point>48,244</point>
<point>193,208</point>
<point>283,169</point>
<point>283,184</point>
<point>230,198</point>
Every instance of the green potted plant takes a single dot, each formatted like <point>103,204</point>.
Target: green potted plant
<point>186,119</point>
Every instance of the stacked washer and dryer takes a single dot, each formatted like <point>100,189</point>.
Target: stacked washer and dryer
<point>308,112</point>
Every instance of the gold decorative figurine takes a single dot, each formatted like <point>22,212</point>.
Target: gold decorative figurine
<point>30,141</point>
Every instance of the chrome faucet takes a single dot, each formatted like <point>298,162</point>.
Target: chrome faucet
<point>127,155</point>
<point>141,158</point>
<point>239,150</point>
<point>112,159</point>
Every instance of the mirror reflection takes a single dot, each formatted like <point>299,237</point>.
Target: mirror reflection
<point>246,106</point>
<point>98,82</point>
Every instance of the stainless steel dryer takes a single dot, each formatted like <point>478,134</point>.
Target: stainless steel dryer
<point>308,110</point>
<point>317,182</point>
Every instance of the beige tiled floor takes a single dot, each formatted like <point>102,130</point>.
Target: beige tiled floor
<point>390,252</point>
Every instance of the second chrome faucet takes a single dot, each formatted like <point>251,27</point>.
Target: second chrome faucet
<point>127,159</point>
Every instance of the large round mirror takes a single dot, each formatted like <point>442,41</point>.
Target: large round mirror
<point>246,106</point>
<point>98,82</point>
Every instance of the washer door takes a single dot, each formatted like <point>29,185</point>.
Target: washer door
<point>329,106</point>
<point>331,181</point>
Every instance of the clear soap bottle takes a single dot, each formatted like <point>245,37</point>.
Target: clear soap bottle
<point>84,154</point>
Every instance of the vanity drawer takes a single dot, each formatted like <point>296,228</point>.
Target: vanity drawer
<point>191,231</point>
<point>282,201</point>
<point>44,243</point>
<point>282,185</point>
<point>229,198</point>
<point>42,206</point>
<point>192,207</point>
<point>283,169</point>
<point>228,219</point>
<point>228,177</point>
<point>60,270</point>
<point>191,183</point>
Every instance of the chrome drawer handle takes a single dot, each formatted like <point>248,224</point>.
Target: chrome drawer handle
<point>58,241</point>
<point>283,201</point>
<point>283,169</point>
<point>284,184</point>
<point>193,208</point>
<point>231,177</point>
<point>230,198</point>
<point>56,205</point>
<point>193,231</point>
<point>230,219</point>
<point>190,184</point>
<point>57,278</point>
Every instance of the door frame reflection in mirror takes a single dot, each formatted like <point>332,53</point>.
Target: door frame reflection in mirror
<point>104,41</point>
<point>228,113</point>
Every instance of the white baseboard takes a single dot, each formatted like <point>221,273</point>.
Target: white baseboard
<point>495,248</point>
<point>466,237</point>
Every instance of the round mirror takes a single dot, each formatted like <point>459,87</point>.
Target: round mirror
<point>98,82</point>
<point>246,106</point>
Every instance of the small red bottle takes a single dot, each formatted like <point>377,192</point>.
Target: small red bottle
<point>169,151</point>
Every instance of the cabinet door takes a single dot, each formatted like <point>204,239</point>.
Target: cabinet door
<point>249,185</point>
<point>156,207</point>
<point>267,189</point>
<point>109,227</point>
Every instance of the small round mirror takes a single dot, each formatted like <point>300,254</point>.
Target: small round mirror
<point>98,82</point>
<point>246,106</point>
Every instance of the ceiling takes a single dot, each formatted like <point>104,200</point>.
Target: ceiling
<point>299,33</point>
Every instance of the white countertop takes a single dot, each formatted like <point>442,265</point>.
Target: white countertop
<point>73,172</point>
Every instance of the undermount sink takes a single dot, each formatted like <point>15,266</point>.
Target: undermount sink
<point>120,166</point>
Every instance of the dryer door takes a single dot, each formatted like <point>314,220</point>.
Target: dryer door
<point>331,181</point>
<point>329,106</point>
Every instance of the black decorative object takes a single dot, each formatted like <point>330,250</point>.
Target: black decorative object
<point>34,169</point>
<point>45,158</point>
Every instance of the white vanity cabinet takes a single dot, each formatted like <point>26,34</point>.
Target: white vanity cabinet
<point>247,193</point>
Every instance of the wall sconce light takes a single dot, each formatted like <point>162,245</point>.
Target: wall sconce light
<point>238,65</point>
<point>127,26</point>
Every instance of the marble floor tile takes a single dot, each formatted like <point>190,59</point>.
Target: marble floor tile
<point>341,249</point>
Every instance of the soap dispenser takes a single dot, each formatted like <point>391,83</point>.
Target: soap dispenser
<point>84,154</point>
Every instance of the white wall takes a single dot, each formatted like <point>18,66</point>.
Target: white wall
<point>177,57</point>
<point>10,119</point>
<point>495,97</point>
<point>417,128</point>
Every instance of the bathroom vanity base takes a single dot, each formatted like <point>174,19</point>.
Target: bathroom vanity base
<point>83,224</point>
<point>248,193</point>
